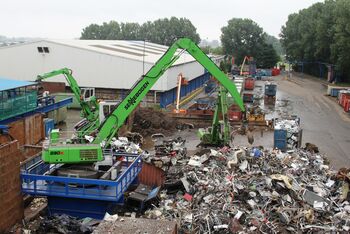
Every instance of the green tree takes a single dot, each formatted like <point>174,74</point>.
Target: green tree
<point>320,33</point>
<point>217,50</point>
<point>110,31</point>
<point>93,31</point>
<point>271,40</point>
<point>341,46</point>
<point>267,56</point>
<point>130,31</point>
<point>244,37</point>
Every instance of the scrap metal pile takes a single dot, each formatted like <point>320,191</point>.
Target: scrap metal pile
<point>254,190</point>
<point>167,153</point>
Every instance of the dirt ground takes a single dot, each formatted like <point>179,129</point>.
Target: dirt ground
<point>148,121</point>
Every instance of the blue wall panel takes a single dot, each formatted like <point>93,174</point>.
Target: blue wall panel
<point>169,97</point>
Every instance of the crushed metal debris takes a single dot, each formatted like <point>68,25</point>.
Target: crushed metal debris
<point>232,190</point>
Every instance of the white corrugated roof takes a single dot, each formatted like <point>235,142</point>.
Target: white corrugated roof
<point>135,50</point>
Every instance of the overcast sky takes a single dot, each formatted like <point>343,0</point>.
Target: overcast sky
<point>66,18</point>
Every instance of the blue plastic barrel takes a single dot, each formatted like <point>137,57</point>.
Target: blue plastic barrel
<point>335,92</point>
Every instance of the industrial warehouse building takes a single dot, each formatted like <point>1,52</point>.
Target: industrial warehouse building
<point>111,66</point>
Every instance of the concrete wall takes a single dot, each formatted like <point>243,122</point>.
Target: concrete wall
<point>11,201</point>
<point>90,68</point>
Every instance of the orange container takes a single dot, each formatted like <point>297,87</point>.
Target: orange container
<point>234,113</point>
<point>344,98</point>
<point>249,84</point>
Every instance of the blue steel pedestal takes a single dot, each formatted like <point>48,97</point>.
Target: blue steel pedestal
<point>81,208</point>
<point>77,196</point>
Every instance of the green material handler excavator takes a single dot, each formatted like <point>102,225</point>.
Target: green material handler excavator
<point>219,133</point>
<point>58,152</point>
<point>85,97</point>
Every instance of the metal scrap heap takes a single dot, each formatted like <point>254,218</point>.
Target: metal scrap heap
<point>254,190</point>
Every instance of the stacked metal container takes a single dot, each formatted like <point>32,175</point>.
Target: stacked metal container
<point>287,133</point>
<point>344,99</point>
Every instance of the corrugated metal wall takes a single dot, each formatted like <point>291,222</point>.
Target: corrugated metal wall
<point>169,97</point>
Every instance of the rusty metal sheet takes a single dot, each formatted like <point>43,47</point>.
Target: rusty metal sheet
<point>151,175</point>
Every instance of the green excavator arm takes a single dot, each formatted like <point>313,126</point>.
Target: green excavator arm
<point>219,132</point>
<point>117,118</point>
<point>89,109</point>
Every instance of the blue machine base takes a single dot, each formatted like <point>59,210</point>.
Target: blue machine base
<point>81,208</point>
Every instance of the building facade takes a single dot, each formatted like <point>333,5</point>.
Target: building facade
<point>111,66</point>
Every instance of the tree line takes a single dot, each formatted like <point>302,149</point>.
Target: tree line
<point>162,31</point>
<point>318,35</point>
<point>239,38</point>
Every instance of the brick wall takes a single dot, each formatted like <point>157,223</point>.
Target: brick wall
<point>11,202</point>
<point>54,87</point>
<point>29,130</point>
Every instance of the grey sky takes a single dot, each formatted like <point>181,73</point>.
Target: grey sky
<point>66,18</point>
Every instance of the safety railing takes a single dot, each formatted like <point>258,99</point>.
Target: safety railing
<point>16,105</point>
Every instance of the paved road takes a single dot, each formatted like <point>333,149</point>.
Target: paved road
<point>323,121</point>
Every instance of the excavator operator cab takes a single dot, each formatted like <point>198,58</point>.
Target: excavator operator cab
<point>107,107</point>
<point>87,94</point>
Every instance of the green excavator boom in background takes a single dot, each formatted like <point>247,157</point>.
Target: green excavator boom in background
<point>219,134</point>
